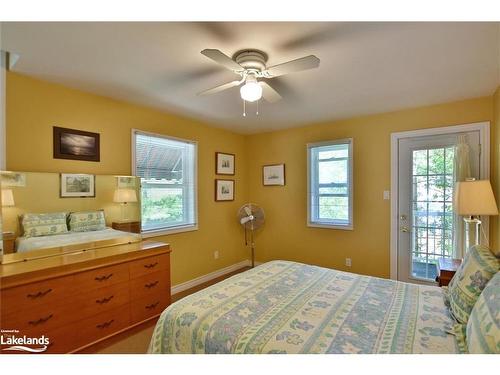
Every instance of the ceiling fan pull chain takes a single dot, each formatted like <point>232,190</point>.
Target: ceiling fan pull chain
<point>244,109</point>
<point>257,113</point>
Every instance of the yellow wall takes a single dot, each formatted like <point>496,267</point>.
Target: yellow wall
<point>34,107</point>
<point>367,245</point>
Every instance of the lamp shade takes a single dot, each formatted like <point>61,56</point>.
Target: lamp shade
<point>475,198</point>
<point>7,198</point>
<point>125,196</point>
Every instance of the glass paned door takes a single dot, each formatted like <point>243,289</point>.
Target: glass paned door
<point>426,222</point>
<point>432,209</point>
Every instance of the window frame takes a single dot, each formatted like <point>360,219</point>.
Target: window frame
<point>174,229</point>
<point>350,175</point>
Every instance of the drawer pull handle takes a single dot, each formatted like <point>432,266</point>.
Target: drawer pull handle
<point>151,265</point>
<point>103,278</point>
<point>40,321</point>
<point>152,306</point>
<point>39,294</point>
<point>151,285</point>
<point>105,324</point>
<point>104,300</point>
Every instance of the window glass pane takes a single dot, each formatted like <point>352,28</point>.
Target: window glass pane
<point>338,152</point>
<point>334,208</point>
<point>420,162</point>
<point>337,189</point>
<point>161,206</point>
<point>332,172</point>
<point>436,161</point>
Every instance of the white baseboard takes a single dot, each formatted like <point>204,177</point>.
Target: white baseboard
<point>209,276</point>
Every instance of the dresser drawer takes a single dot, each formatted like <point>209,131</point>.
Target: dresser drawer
<point>62,340</point>
<point>30,296</point>
<point>149,265</point>
<point>101,277</point>
<point>149,306</point>
<point>102,299</point>
<point>41,319</point>
<point>148,285</point>
<point>102,325</point>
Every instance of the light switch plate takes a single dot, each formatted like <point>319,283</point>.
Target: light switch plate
<point>387,195</point>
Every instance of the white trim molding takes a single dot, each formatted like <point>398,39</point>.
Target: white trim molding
<point>484,170</point>
<point>210,276</point>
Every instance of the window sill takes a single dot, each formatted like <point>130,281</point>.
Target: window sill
<point>165,232</point>
<point>331,226</point>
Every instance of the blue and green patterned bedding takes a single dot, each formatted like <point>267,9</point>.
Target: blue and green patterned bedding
<point>287,307</point>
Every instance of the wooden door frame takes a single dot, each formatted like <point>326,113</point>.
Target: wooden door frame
<point>484,173</point>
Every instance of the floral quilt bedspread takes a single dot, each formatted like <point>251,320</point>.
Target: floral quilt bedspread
<point>288,307</point>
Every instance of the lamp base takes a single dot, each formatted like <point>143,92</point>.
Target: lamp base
<point>472,237</point>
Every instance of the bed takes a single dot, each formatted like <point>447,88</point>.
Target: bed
<point>24,244</point>
<point>288,307</point>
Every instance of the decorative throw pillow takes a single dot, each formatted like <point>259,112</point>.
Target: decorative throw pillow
<point>478,267</point>
<point>37,225</point>
<point>483,328</point>
<point>87,221</point>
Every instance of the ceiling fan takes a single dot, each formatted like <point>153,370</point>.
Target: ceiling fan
<point>250,65</point>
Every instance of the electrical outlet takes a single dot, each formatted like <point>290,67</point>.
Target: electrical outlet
<point>216,254</point>
<point>348,262</point>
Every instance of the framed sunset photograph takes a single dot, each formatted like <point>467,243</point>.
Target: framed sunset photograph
<point>76,144</point>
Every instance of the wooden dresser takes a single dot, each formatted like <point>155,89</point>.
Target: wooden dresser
<point>79,299</point>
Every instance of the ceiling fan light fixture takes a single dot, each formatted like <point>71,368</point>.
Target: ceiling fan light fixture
<point>251,91</point>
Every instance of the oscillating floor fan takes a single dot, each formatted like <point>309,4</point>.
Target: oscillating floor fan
<point>251,217</point>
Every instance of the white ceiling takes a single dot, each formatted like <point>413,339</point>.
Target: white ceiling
<point>365,67</point>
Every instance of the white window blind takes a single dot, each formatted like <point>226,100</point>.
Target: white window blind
<point>167,168</point>
<point>330,184</point>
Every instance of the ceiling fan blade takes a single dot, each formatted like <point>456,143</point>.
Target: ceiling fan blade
<point>304,63</point>
<point>247,210</point>
<point>268,93</point>
<point>222,59</point>
<point>220,88</point>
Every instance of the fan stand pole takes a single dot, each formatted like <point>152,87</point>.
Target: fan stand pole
<point>253,250</point>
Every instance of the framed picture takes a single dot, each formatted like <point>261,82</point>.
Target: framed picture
<point>76,144</point>
<point>224,163</point>
<point>13,179</point>
<point>77,185</point>
<point>224,190</point>
<point>273,174</point>
<point>125,181</point>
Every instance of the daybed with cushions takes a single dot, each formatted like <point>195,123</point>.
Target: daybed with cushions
<point>288,307</point>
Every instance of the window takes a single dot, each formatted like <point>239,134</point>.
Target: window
<point>167,168</point>
<point>329,199</point>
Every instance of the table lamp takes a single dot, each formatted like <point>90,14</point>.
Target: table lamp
<point>124,196</point>
<point>474,198</point>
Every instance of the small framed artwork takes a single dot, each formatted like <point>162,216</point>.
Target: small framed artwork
<point>125,181</point>
<point>273,175</point>
<point>76,144</point>
<point>77,185</point>
<point>13,179</point>
<point>224,190</point>
<point>224,163</point>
